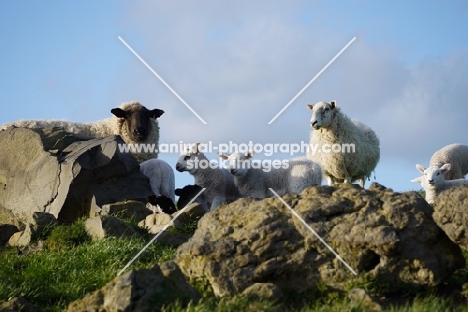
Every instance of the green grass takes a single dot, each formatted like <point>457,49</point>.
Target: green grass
<point>71,266</point>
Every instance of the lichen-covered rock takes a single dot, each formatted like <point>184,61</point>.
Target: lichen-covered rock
<point>18,304</point>
<point>50,170</point>
<point>140,290</point>
<point>451,214</point>
<point>37,223</point>
<point>379,233</point>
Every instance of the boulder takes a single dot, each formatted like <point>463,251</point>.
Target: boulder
<point>129,209</point>
<point>39,222</point>
<point>101,227</point>
<point>156,222</point>
<point>382,235</point>
<point>50,170</point>
<point>18,304</point>
<point>451,214</point>
<point>140,290</point>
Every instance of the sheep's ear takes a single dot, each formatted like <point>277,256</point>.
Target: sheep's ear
<point>420,168</point>
<point>417,180</point>
<point>118,112</point>
<point>223,156</point>
<point>178,191</point>
<point>445,168</point>
<point>310,106</point>
<point>249,154</point>
<point>195,148</point>
<point>333,104</point>
<point>155,113</point>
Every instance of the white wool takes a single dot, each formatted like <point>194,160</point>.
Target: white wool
<point>299,174</point>
<point>161,177</point>
<point>219,183</point>
<point>433,181</point>
<point>331,127</point>
<point>454,154</point>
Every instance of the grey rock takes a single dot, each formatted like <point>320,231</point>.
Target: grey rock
<point>261,291</point>
<point>451,214</point>
<point>157,222</point>
<point>129,209</point>
<point>50,170</point>
<point>140,290</point>
<point>101,227</point>
<point>18,304</point>
<point>380,234</point>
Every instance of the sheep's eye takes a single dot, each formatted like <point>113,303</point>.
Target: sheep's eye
<point>438,173</point>
<point>186,157</point>
<point>327,109</point>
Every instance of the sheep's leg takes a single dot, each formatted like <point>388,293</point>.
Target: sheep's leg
<point>330,180</point>
<point>362,181</point>
<point>217,201</point>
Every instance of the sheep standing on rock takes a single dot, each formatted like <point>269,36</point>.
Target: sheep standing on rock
<point>433,181</point>
<point>454,154</point>
<point>132,121</point>
<point>332,128</point>
<point>254,181</point>
<point>219,183</point>
<point>161,177</point>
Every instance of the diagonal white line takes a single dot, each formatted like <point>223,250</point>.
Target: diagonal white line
<point>313,79</point>
<point>313,232</point>
<point>162,80</point>
<point>160,232</point>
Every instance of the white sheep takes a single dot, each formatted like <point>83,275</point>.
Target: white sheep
<point>346,149</point>
<point>433,181</point>
<point>161,177</point>
<point>454,154</point>
<point>254,180</point>
<point>219,183</point>
<point>132,121</point>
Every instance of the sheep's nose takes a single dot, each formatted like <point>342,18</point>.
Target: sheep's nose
<point>431,181</point>
<point>232,171</point>
<point>139,132</point>
<point>314,124</point>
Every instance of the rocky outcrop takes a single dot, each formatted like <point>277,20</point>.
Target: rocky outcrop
<point>140,290</point>
<point>39,222</point>
<point>384,236</point>
<point>18,304</point>
<point>451,214</point>
<point>101,227</point>
<point>50,170</point>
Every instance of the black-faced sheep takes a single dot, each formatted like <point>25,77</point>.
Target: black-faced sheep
<point>160,203</point>
<point>333,129</point>
<point>132,121</point>
<point>187,193</point>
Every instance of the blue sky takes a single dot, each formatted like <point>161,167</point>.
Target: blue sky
<point>238,63</point>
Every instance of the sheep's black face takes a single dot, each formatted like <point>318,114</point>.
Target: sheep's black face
<point>137,120</point>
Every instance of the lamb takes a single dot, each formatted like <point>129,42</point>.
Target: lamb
<point>132,121</point>
<point>219,183</point>
<point>433,181</point>
<point>454,154</point>
<point>160,203</point>
<point>187,193</point>
<point>359,146</point>
<point>293,176</point>
<point>161,177</point>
